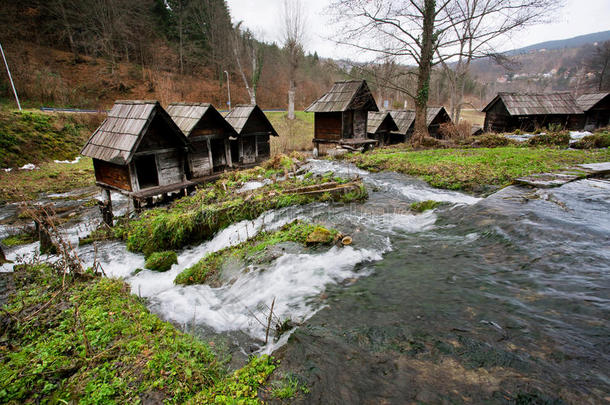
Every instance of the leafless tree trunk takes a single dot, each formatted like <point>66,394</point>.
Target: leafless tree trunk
<point>243,43</point>
<point>293,19</point>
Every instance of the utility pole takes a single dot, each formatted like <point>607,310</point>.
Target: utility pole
<point>228,89</point>
<point>10,78</point>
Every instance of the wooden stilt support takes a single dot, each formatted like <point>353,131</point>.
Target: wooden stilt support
<point>106,208</point>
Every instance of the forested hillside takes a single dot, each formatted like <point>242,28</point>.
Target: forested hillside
<point>87,53</point>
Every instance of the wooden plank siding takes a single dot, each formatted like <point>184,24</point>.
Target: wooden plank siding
<point>116,176</point>
<point>328,125</point>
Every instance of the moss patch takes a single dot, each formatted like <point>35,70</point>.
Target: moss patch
<point>161,261</point>
<point>207,270</point>
<point>94,342</point>
<point>197,218</point>
<point>22,238</point>
<point>422,206</point>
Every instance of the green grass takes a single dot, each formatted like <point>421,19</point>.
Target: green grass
<point>599,139</point>
<point>93,342</point>
<point>294,135</point>
<point>474,169</point>
<point>22,185</point>
<point>35,137</point>
<point>207,270</point>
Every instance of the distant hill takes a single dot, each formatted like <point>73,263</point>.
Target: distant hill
<point>565,43</point>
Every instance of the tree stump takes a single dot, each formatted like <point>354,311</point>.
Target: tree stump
<point>46,242</point>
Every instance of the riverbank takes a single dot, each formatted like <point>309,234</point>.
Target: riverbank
<point>49,177</point>
<point>478,170</point>
<point>88,338</point>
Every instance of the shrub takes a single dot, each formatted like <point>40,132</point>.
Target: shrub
<point>597,140</point>
<point>491,141</point>
<point>161,261</point>
<point>452,131</point>
<point>552,139</point>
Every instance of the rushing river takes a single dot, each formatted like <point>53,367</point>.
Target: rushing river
<point>495,300</point>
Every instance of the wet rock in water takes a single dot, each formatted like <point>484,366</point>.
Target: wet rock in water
<point>161,261</point>
<point>3,257</point>
<point>319,236</point>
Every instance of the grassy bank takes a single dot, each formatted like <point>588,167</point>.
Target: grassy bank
<point>208,269</point>
<point>474,169</point>
<point>197,218</point>
<point>36,137</point>
<point>294,134</point>
<point>19,185</point>
<point>92,342</point>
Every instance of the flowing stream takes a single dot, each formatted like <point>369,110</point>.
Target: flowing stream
<point>497,300</point>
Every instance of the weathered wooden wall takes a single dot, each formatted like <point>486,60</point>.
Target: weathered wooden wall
<point>497,118</point>
<point>327,125</point>
<point>112,175</point>
<point>347,124</point>
<point>598,116</point>
<point>360,122</point>
<point>199,157</point>
<point>247,150</point>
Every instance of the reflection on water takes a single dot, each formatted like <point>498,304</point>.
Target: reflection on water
<point>497,300</point>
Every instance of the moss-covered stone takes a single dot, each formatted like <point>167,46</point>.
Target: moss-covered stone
<point>319,235</point>
<point>161,261</point>
<point>208,269</point>
<point>422,206</point>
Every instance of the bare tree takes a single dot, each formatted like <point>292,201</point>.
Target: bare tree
<point>245,44</point>
<point>429,32</point>
<point>474,28</point>
<point>293,35</point>
<point>599,63</point>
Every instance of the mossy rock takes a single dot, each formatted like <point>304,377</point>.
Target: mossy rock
<point>319,235</point>
<point>422,206</point>
<point>161,261</point>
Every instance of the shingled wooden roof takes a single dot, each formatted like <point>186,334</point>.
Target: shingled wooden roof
<point>188,115</point>
<point>588,101</point>
<point>537,104</point>
<point>118,137</point>
<point>343,96</point>
<point>375,119</point>
<point>405,119</point>
<point>239,117</point>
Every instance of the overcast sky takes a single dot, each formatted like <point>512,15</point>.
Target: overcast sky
<point>262,17</point>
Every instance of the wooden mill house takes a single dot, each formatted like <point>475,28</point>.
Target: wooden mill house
<point>596,107</point>
<point>341,116</point>
<point>208,134</point>
<point>253,129</point>
<point>405,120</point>
<point>380,125</point>
<point>139,151</point>
<point>508,112</point>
